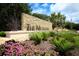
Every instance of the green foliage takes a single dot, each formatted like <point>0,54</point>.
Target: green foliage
<point>41,16</point>
<point>52,34</point>
<point>24,7</point>
<point>68,35</point>
<point>58,20</point>
<point>76,43</point>
<point>62,44</point>
<point>1,49</point>
<point>10,15</point>
<point>2,34</point>
<point>72,26</point>
<point>45,35</point>
<point>66,40</point>
<point>37,37</point>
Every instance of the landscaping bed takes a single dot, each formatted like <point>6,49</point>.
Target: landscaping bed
<point>65,43</point>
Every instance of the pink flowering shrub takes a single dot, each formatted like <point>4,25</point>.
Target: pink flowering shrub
<point>13,48</point>
<point>39,50</point>
<point>26,48</point>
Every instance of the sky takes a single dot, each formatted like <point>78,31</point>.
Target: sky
<point>70,10</point>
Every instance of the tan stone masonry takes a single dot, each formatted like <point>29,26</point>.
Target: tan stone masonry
<point>33,23</point>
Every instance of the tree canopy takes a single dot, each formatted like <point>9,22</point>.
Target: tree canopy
<point>41,16</point>
<point>10,15</point>
<point>74,26</point>
<point>57,20</point>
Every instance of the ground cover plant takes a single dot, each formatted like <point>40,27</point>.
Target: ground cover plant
<point>27,48</point>
<point>13,48</point>
<point>40,36</point>
<point>66,41</point>
<point>2,34</point>
<point>76,39</point>
<point>37,37</point>
<point>45,35</point>
<point>62,45</point>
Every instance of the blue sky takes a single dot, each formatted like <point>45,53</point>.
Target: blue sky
<point>43,8</point>
<point>70,10</point>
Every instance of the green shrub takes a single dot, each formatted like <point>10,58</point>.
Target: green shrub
<point>2,47</point>
<point>66,40</point>
<point>45,35</point>
<point>52,34</point>
<point>69,32</point>
<point>67,35</point>
<point>2,34</point>
<point>37,37</point>
<point>76,43</point>
<point>61,44</point>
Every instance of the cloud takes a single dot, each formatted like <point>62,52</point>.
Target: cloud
<point>70,10</point>
<point>39,11</point>
<point>57,7</point>
<point>34,5</point>
<point>45,4</point>
<point>42,8</point>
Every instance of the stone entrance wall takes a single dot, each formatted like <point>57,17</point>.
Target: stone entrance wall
<point>33,23</point>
